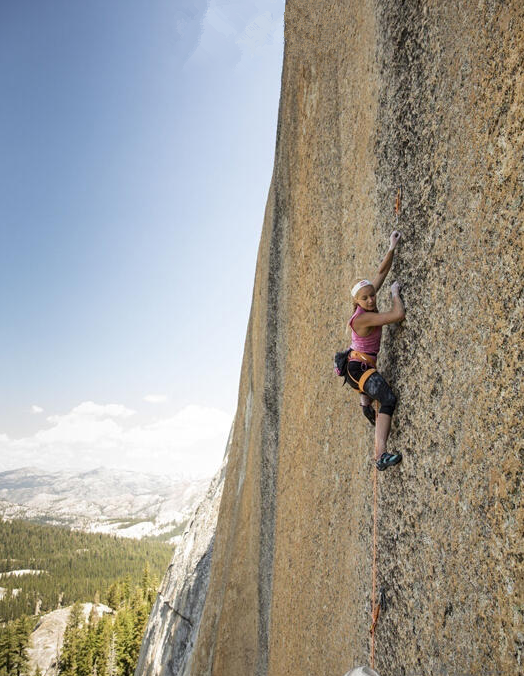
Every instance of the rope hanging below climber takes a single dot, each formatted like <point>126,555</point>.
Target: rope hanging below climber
<point>358,367</point>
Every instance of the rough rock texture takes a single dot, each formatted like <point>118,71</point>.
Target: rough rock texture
<point>175,616</point>
<point>374,94</point>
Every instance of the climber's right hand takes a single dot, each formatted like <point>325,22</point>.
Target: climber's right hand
<point>395,289</point>
<point>394,239</point>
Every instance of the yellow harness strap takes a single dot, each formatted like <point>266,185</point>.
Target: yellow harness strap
<point>362,380</point>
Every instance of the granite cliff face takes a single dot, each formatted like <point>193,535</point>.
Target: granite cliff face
<point>375,94</point>
<point>174,621</point>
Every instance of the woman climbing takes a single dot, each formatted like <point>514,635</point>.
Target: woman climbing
<point>366,326</point>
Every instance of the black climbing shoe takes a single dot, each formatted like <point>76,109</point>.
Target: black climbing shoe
<point>388,460</point>
<point>369,413</point>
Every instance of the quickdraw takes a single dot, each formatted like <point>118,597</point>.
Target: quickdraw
<point>397,208</point>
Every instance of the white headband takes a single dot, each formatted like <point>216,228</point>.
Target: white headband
<point>360,285</point>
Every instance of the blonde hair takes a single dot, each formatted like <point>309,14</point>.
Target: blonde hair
<point>355,281</point>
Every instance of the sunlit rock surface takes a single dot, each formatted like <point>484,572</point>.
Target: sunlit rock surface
<point>174,620</point>
<point>376,94</point>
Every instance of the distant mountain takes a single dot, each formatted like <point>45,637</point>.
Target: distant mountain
<point>128,504</point>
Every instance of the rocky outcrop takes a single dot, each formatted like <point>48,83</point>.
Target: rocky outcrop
<point>376,94</point>
<point>47,638</point>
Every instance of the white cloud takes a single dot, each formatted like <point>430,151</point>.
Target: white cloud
<point>233,31</point>
<point>88,409</point>
<point>190,442</point>
<point>259,32</point>
<point>155,398</point>
<point>36,409</point>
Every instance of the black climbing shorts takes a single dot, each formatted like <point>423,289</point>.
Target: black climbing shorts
<point>356,370</point>
<point>376,386</point>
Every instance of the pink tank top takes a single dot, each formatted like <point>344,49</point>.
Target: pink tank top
<point>369,344</point>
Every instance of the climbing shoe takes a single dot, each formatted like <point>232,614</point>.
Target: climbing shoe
<point>369,413</point>
<point>388,460</point>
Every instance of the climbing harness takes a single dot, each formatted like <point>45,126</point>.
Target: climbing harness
<point>367,359</point>
<point>341,360</point>
<point>363,356</point>
<point>362,380</point>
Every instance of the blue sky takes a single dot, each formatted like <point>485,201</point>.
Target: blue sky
<point>136,150</point>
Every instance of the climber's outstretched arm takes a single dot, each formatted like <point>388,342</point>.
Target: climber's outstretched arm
<point>386,264</point>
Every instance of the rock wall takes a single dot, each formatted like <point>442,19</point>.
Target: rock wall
<point>426,94</point>
<point>174,620</point>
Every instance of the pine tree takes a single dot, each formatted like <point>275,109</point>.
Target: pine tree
<point>112,668</point>
<point>114,596</point>
<point>72,639</point>
<point>146,580</point>
<point>102,641</point>
<point>84,660</point>
<point>22,630</point>
<point>140,613</point>
<point>7,649</point>
<point>126,588</point>
<point>152,591</point>
<point>124,635</point>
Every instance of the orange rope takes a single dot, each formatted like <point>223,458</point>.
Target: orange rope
<point>375,607</point>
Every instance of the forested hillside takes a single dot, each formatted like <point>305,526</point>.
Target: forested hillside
<point>43,568</point>
<point>76,566</point>
<point>100,644</point>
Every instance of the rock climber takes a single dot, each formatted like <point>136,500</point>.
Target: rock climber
<point>366,326</point>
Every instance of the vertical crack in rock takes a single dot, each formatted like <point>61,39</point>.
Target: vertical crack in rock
<point>404,148</point>
<point>273,384</point>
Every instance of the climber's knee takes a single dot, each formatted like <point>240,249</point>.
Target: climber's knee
<point>377,388</point>
<point>388,403</point>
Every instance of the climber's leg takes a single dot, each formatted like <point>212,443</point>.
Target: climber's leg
<point>365,399</point>
<point>356,370</point>
<point>377,388</point>
<point>368,409</point>
<point>382,431</point>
